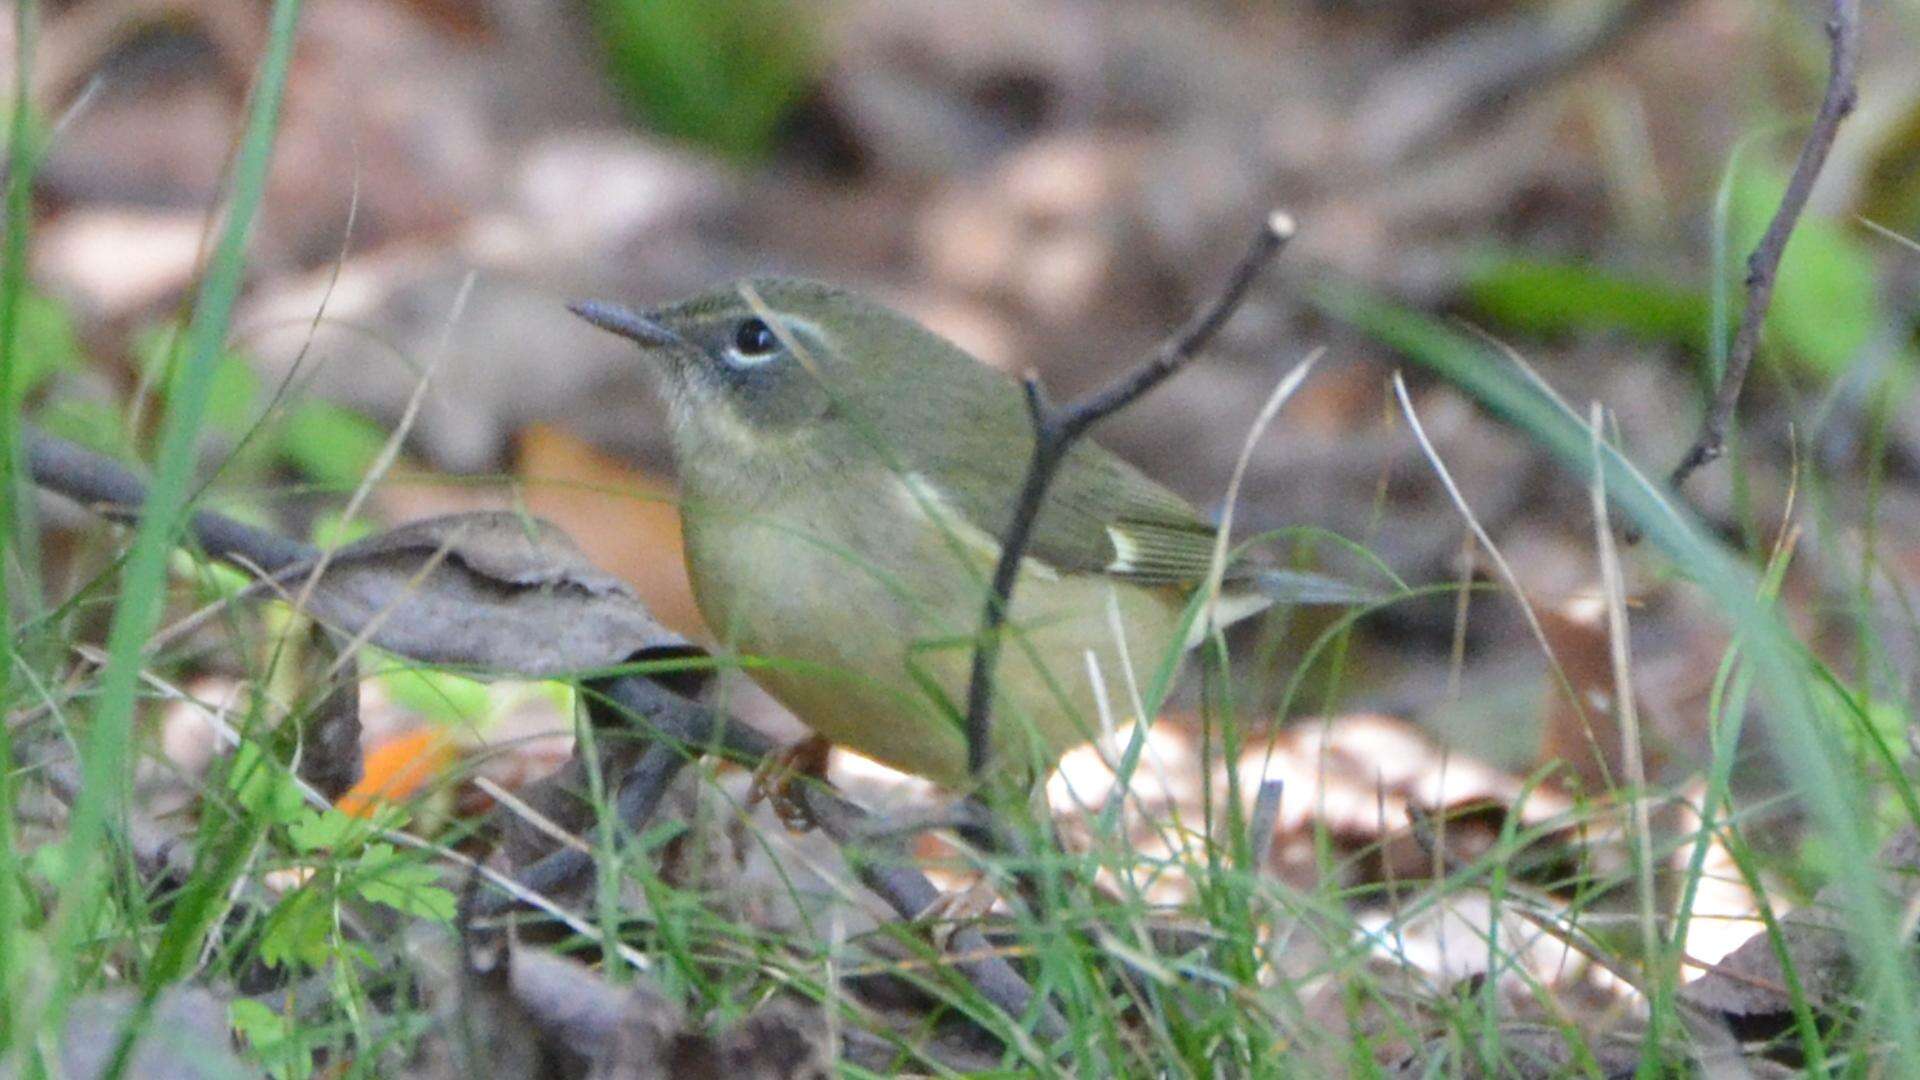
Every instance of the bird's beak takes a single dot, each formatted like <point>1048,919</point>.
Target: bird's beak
<point>618,320</point>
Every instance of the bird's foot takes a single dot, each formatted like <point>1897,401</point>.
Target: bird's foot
<point>774,779</point>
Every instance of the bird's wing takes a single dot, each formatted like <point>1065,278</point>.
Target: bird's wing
<point>1101,516</point>
<point>971,444</point>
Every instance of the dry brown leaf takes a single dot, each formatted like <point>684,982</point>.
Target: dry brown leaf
<point>548,1014</point>
<point>1368,780</point>
<point>490,589</point>
<point>1527,1050</point>
<point>777,1042</point>
<point>1581,730</point>
<point>1749,986</point>
<point>574,1008</point>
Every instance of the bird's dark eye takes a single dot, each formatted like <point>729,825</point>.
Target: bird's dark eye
<point>755,338</point>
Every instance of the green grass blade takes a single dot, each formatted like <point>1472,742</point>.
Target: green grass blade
<point>107,757</point>
<point>13,273</point>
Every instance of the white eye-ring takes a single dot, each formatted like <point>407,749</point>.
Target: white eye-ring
<point>754,342</point>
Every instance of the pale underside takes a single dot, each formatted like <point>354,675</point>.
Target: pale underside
<point>864,647</point>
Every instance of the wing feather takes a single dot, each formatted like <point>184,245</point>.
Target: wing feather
<point>971,441</point>
<point>1102,516</point>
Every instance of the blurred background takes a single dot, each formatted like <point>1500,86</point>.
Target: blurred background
<point>1053,184</point>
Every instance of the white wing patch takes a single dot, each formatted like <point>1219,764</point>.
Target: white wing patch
<point>923,497</point>
<point>1126,551</point>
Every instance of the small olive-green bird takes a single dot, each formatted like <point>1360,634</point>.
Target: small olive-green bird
<point>847,475</point>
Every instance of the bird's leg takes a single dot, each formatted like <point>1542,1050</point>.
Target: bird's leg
<point>774,777</point>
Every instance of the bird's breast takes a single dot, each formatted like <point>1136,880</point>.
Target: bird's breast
<point>860,612</point>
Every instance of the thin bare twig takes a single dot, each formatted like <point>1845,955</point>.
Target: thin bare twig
<point>1056,429</point>
<point>110,489</point>
<point>1763,265</point>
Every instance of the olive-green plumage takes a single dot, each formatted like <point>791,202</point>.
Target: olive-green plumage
<point>846,477</point>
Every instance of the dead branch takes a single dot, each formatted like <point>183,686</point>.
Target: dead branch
<point>1763,265</point>
<point>1056,429</point>
<point>111,490</point>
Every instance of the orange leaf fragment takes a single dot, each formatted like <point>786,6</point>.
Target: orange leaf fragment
<point>398,769</point>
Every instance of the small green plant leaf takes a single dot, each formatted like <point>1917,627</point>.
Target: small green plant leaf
<point>46,344</point>
<point>272,1039</point>
<point>49,862</point>
<point>235,391</point>
<point>255,1022</point>
<point>384,876</point>
<point>1548,299</point>
<point>263,786</point>
<point>718,73</point>
<point>96,425</point>
<point>331,530</point>
<point>331,444</point>
<point>328,830</point>
<point>1825,303</point>
<point>299,929</point>
<point>439,695</point>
